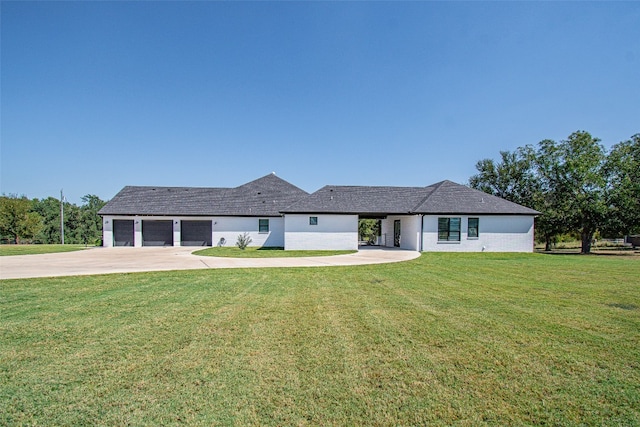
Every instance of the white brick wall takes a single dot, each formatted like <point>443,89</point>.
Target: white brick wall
<point>497,233</point>
<point>229,228</point>
<point>333,232</point>
<point>107,231</point>
<point>223,227</point>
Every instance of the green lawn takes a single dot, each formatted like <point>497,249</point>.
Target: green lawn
<point>464,339</point>
<point>264,252</point>
<point>6,250</point>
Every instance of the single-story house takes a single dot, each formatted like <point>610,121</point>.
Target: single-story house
<point>441,217</point>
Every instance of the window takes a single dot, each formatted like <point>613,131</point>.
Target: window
<point>448,229</point>
<point>313,220</point>
<point>472,229</point>
<point>263,225</point>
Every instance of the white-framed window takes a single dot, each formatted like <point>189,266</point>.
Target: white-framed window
<point>263,225</point>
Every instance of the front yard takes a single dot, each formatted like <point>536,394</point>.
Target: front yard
<point>467,339</point>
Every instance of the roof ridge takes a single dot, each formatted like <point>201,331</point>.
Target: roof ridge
<point>405,187</point>
<point>271,177</point>
<point>253,181</point>
<point>176,186</point>
<point>424,200</point>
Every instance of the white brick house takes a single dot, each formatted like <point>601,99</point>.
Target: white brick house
<point>441,217</point>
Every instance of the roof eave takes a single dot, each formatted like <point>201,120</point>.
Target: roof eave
<point>535,213</point>
<point>193,214</point>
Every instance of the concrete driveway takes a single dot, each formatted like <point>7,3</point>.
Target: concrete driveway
<point>129,260</point>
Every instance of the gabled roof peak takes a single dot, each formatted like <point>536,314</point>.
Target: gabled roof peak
<point>270,183</point>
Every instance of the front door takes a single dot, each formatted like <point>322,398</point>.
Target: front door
<point>396,233</point>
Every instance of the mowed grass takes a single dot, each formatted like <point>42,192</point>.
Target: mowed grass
<point>464,339</point>
<point>264,252</point>
<point>7,250</point>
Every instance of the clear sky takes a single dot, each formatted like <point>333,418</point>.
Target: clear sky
<point>99,95</point>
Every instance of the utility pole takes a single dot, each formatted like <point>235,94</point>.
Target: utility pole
<point>61,217</point>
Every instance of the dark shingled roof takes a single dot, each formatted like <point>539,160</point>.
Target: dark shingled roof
<point>450,198</point>
<point>360,200</point>
<point>445,197</point>
<point>265,196</point>
<point>272,196</point>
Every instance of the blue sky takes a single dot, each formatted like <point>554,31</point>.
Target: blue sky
<point>99,95</point>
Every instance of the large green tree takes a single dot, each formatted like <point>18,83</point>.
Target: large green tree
<point>512,177</point>
<point>515,177</point>
<point>573,171</point>
<point>574,184</point>
<point>17,219</point>
<point>548,198</point>
<point>622,169</point>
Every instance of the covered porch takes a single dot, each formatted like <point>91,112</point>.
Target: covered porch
<point>343,231</point>
<point>389,231</point>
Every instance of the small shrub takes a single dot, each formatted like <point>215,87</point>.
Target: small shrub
<point>243,241</point>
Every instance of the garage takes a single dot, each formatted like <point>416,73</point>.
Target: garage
<point>122,232</point>
<point>195,233</point>
<point>157,233</point>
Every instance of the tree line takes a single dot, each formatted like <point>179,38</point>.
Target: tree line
<point>577,185</point>
<point>24,220</point>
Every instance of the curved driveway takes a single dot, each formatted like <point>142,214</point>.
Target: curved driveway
<point>129,260</point>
